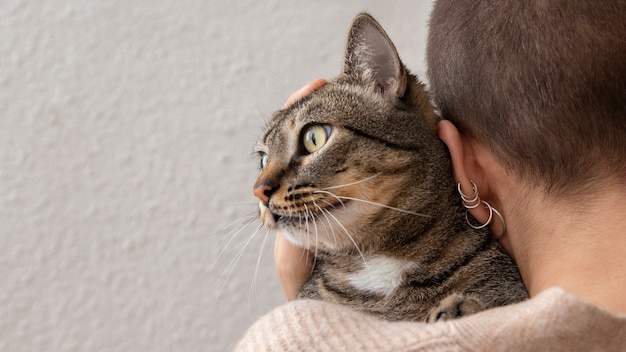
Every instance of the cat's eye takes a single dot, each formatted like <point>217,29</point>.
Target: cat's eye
<point>314,137</point>
<point>264,159</point>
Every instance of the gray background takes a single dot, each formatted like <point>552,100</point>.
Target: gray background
<point>126,132</point>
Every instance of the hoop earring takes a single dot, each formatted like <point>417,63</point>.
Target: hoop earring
<point>471,201</point>
<point>498,236</point>
<point>478,227</point>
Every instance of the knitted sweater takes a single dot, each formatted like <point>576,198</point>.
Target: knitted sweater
<point>555,320</point>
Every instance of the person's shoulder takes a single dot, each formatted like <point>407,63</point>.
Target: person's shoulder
<point>553,320</point>
<point>321,326</point>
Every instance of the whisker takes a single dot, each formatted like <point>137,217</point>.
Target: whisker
<point>249,217</point>
<point>231,237</point>
<point>327,220</point>
<point>243,204</point>
<point>382,205</point>
<point>306,209</point>
<point>225,276</point>
<point>306,226</point>
<point>352,183</point>
<point>332,195</point>
<point>306,219</point>
<point>327,202</point>
<point>321,211</point>
<point>253,288</point>
<point>351,239</point>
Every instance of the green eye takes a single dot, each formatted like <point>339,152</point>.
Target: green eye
<point>264,160</point>
<point>315,137</point>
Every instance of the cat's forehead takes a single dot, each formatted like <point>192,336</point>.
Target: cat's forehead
<point>349,106</point>
<point>278,128</point>
<point>336,103</point>
<point>326,105</point>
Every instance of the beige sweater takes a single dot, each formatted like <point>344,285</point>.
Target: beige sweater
<point>555,320</point>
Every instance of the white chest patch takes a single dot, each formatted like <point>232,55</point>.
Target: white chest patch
<point>382,275</point>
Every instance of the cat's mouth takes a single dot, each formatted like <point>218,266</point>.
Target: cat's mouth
<point>309,216</point>
<point>277,217</point>
<point>306,220</point>
<point>327,224</point>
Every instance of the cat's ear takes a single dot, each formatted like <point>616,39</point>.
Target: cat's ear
<point>372,59</point>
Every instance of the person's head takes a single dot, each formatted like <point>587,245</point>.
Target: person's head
<point>542,84</point>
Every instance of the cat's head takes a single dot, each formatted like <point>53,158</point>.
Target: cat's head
<point>339,165</point>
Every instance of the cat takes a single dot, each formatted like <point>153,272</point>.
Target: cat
<point>355,172</point>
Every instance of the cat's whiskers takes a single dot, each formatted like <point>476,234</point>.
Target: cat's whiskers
<point>225,276</point>
<point>326,211</point>
<point>256,270</point>
<point>306,209</point>
<point>306,219</point>
<point>306,227</point>
<point>232,234</point>
<point>329,224</point>
<point>351,183</point>
<point>331,205</point>
<point>330,194</point>
<point>251,216</point>
<point>323,212</point>
<point>351,239</point>
<point>308,230</point>
<point>374,203</point>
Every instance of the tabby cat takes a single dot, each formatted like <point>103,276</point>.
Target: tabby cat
<point>355,172</point>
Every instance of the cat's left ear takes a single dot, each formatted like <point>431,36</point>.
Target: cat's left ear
<point>372,59</point>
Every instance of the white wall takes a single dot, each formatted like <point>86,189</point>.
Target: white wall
<point>126,131</point>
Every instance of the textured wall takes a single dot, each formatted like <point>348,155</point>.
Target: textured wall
<point>126,130</point>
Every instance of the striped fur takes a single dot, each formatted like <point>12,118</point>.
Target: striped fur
<point>376,204</point>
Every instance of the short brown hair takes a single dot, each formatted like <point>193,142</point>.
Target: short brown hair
<point>541,83</point>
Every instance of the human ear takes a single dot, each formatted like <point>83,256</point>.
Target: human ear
<point>449,134</point>
<point>464,164</point>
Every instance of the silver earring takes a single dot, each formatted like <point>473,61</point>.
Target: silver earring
<point>498,236</point>
<point>478,227</point>
<point>472,201</point>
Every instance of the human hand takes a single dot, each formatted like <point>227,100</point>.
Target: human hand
<point>304,91</point>
<point>293,263</point>
<point>293,266</point>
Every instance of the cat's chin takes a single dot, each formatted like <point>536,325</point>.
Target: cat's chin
<point>268,219</point>
<point>274,221</point>
<point>301,239</point>
<point>333,229</point>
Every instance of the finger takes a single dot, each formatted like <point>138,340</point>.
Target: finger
<point>293,265</point>
<point>304,91</point>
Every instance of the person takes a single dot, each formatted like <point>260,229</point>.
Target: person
<point>533,97</point>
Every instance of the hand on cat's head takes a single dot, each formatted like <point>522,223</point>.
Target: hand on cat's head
<point>304,91</point>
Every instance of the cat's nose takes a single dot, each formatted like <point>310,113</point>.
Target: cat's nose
<point>264,191</point>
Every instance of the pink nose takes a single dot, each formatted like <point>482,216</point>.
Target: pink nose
<point>263,192</point>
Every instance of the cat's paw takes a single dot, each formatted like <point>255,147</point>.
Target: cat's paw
<point>455,306</point>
